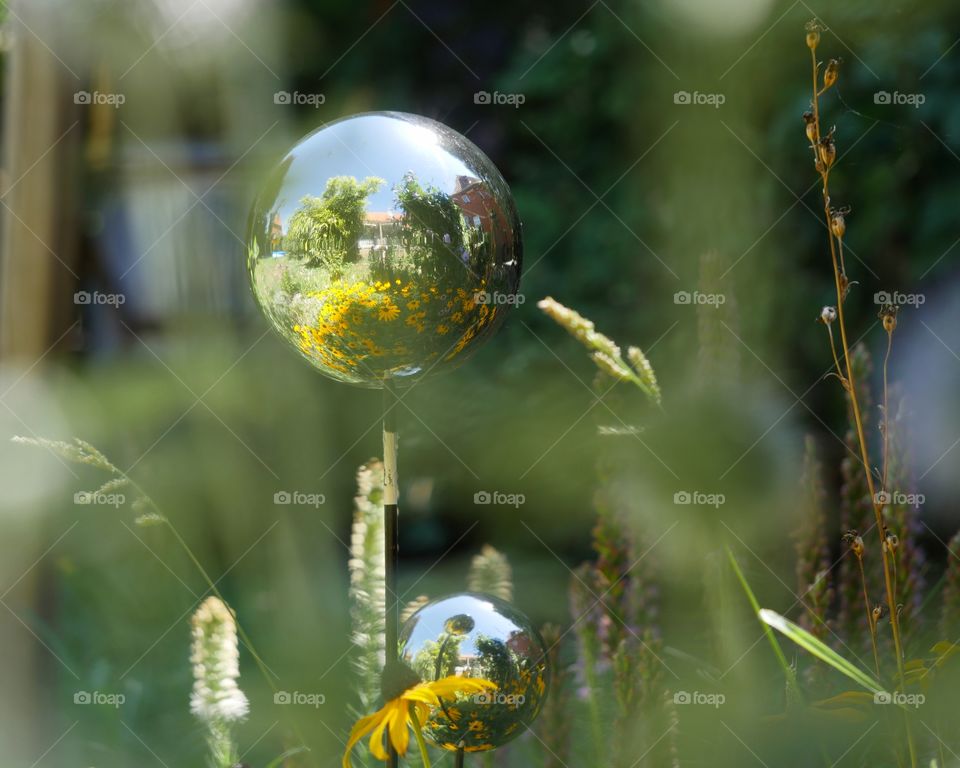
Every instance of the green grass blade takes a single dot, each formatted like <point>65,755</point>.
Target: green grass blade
<point>275,763</point>
<point>755,604</point>
<point>817,648</point>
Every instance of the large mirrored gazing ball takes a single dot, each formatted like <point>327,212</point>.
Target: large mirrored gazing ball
<point>477,636</point>
<point>383,247</point>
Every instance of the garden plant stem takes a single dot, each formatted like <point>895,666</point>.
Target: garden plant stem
<point>855,406</point>
<point>870,621</point>
<point>390,534</point>
<point>886,415</point>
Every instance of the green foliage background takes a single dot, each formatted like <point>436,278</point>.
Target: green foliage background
<point>626,198</point>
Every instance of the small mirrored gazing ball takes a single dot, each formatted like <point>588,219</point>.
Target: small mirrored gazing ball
<point>384,247</point>
<point>477,636</point>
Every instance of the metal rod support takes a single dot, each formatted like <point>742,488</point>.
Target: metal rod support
<point>391,520</point>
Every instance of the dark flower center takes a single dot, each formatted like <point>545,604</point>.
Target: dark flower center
<point>396,679</point>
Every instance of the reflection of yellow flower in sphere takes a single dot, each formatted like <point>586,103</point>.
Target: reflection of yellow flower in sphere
<point>352,324</point>
<point>388,311</point>
<point>475,725</point>
<point>410,708</point>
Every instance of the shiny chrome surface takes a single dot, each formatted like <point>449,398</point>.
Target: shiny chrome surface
<point>384,246</point>
<point>477,636</point>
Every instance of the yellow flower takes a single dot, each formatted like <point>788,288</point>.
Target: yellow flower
<point>412,305</point>
<point>388,312</point>
<point>397,715</point>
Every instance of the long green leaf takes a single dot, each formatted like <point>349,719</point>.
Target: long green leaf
<point>822,651</point>
<point>755,604</point>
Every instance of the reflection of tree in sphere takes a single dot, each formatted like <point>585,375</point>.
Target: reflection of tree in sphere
<point>383,247</point>
<point>477,636</point>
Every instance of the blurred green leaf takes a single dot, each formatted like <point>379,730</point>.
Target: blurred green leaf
<point>823,652</point>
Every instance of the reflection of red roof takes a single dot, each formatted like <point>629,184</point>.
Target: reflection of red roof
<point>464,183</point>
<point>381,217</point>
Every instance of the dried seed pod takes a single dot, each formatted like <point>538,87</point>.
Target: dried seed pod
<point>827,151</point>
<point>855,540</point>
<point>810,124</point>
<point>831,73</point>
<point>838,224</point>
<point>828,315</point>
<point>844,285</point>
<point>888,314</point>
<point>813,29</point>
<point>856,546</point>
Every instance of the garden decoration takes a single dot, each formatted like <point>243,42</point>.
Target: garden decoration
<point>385,247</point>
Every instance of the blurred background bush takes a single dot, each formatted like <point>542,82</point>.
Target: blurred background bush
<point>135,135</point>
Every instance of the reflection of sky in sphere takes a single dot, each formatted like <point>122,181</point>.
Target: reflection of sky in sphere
<point>370,145</point>
<point>488,623</point>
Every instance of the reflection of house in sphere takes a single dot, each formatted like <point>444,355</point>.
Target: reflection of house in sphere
<point>379,227</point>
<point>521,644</point>
<point>276,235</point>
<point>478,204</point>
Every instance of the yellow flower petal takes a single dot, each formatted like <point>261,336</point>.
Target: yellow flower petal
<point>395,716</point>
<point>376,738</point>
<point>453,684</point>
<point>361,728</point>
<point>399,732</point>
<point>422,694</point>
